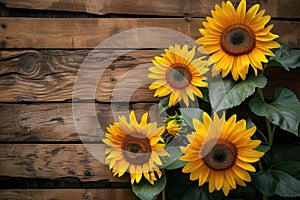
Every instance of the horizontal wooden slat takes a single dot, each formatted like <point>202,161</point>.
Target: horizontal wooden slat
<point>49,75</point>
<point>53,161</point>
<point>194,8</point>
<point>90,32</point>
<point>55,122</point>
<point>64,194</point>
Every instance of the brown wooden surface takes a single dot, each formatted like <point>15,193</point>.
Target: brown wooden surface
<point>194,8</point>
<point>48,147</point>
<point>49,75</point>
<point>90,32</point>
<point>66,194</point>
<point>53,161</point>
<point>54,122</point>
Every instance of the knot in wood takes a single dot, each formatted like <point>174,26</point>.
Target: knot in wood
<point>28,64</point>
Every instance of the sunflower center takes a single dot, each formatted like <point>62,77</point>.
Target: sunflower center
<point>178,76</point>
<point>238,39</point>
<point>136,150</point>
<point>219,154</point>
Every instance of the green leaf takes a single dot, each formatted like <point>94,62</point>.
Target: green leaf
<point>172,162</point>
<point>249,123</point>
<point>276,181</point>
<point>163,104</point>
<point>188,114</point>
<point>283,176</point>
<point>285,57</point>
<point>145,191</point>
<point>279,154</point>
<point>290,167</point>
<point>284,111</point>
<point>236,94</point>
<point>263,147</point>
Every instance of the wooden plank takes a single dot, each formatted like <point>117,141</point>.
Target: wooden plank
<point>49,75</point>
<point>63,194</point>
<point>54,161</point>
<point>90,32</point>
<point>193,8</point>
<point>55,122</point>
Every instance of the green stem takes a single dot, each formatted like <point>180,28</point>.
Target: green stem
<point>270,132</point>
<point>265,197</point>
<point>260,166</point>
<point>268,124</point>
<point>164,196</point>
<point>263,136</point>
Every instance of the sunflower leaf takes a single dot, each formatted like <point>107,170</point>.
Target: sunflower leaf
<point>172,162</point>
<point>283,176</point>
<point>285,57</point>
<point>163,104</point>
<point>235,95</point>
<point>263,147</point>
<point>145,191</point>
<point>188,114</point>
<point>279,154</point>
<point>284,111</point>
<point>281,179</point>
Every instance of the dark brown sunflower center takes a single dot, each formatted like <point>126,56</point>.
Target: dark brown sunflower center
<point>178,76</point>
<point>238,39</point>
<point>136,150</point>
<point>219,154</point>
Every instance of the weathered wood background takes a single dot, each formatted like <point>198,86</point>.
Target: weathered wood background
<point>44,42</point>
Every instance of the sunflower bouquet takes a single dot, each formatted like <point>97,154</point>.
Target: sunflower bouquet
<point>200,151</point>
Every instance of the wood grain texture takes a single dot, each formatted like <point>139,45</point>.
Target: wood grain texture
<point>90,32</point>
<point>53,161</point>
<point>193,8</point>
<point>55,122</point>
<point>106,75</point>
<point>50,75</point>
<point>65,194</point>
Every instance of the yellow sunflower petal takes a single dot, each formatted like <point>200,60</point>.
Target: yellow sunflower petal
<point>241,11</point>
<point>241,173</point>
<point>234,141</point>
<point>226,188</point>
<point>235,55</point>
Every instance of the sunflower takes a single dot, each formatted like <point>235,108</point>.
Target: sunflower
<point>236,39</point>
<point>135,147</point>
<point>219,152</point>
<point>172,127</point>
<point>177,73</point>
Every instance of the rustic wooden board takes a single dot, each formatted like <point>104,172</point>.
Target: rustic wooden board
<point>49,75</point>
<point>64,194</point>
<point>90,32</point>
<point>193,8</point>
<point>54,161</point>
<point>55,122</point>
